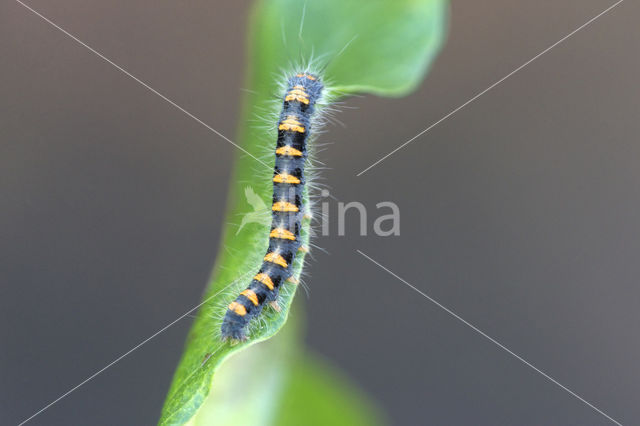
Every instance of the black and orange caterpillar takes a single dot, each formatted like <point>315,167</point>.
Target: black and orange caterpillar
<point>302,93</point>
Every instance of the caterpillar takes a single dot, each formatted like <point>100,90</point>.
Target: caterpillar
<point>303,90</point>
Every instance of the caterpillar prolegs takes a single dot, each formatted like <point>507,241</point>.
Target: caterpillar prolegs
<point>294,128</point>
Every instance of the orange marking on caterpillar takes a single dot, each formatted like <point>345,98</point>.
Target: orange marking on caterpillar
<point>274,257</point>
<point>289,150</point>
<point>264,279</point>
<point>310,77</point>
<point>286,178</point>
<point>291,123</point>
<point>298,93</point>
<point>284,206</point>
<point>250,294</point>
<point>282,234</point>
<point>238,308</point>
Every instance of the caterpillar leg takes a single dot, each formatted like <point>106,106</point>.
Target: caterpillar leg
<point>275,306</point>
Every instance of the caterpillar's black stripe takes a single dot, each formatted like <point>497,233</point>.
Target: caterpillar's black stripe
<point>299,102</point>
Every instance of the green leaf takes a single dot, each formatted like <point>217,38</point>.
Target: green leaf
<point>251,384</point>
<point>382,47</point>
<point>295,386</point>
<point>317,394</point>
<point>372,46</point>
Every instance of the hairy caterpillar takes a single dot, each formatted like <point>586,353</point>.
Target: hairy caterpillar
<point>294,126</point>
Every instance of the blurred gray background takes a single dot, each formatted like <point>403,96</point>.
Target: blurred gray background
<point>519,213</point>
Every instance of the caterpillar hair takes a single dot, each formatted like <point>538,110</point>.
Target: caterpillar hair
<point>303,91</point>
